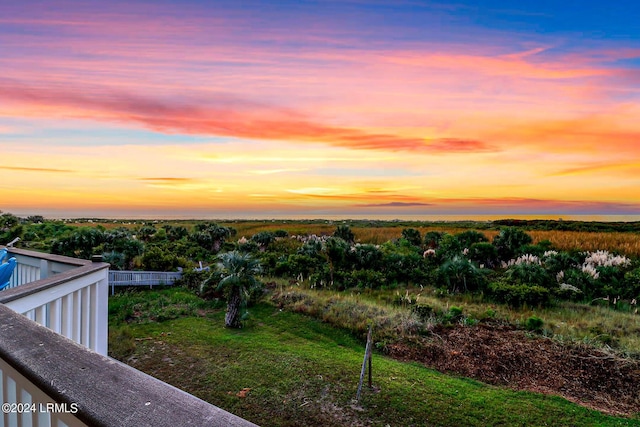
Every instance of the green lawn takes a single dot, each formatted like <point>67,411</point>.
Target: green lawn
<point>302,372</point>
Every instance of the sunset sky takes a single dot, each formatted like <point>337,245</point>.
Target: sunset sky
<point>247,109</point>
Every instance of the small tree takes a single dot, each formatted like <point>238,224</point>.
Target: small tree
<point>344,232</point>
<point>238,271</point>
<point>211,236</point>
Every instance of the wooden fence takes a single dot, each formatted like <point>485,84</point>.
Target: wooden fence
<point>142,278</point>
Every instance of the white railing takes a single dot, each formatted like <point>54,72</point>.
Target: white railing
<point>142,278</point>
<point>30,406</point>
<point>67,295</point>
<point>47,380</point>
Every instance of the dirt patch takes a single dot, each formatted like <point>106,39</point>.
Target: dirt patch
<point>502,355</point>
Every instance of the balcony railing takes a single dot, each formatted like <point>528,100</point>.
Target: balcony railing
<point>67,295</point>
<point>48,380</point>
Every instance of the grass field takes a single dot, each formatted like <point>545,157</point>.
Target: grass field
<point>285,369</point>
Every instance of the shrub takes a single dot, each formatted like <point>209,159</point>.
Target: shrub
<point>160,259</point>
<point>555,262</point>
<point>518,295</point>
<point>460,274</point>
<point>469,237</point>
<point>263,239</point>
<point>369,279</point>
<point>632,284</point>
<point>412,236</point>
<point>248,246</point>
<point>610,282</point>
<point>484,253</point>
<point>312,248</point>
<point>529,274</point>
<point>365,257</point>
<point>344,232</point>
<point>449,247</point>
<point>403,268</point>
<point>531,249</point>
<point>509,241</point>
<point>298,265</point>
<point>454,314</point>
<point>192,279</point>
<point>432,238</point>
<point>489,314</point>
<point>581,280</point>
<point>281,233</point>
<point>423,311</point>
<point>534,323</point>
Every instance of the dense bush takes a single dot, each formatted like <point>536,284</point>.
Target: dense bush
<point>263,239</point>
<point>432,238</point>
<point>401,267</point>
<point>484,254</point>
<point>448,247</point>
<point>81,243</point>
<point>192,279</point>
<point>632,284</point>
<point>156,258</point>
<point>518,295</point>
<point>509,240</point>
<point>298,265</point>
<point>555,262</point>
<point>369,279</point>
<point>529,274</point>
<point>365,257</point>
<point>412,236</point>
<point>469,237</point>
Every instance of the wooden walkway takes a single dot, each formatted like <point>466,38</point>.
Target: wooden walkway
<point>142,278</point>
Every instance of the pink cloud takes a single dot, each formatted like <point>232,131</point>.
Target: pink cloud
<point>225,116</point>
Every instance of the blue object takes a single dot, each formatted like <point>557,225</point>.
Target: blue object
<point>3,254</point>
<point>6,270</point>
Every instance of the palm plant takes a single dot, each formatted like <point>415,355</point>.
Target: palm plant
<point>413,236</point>
<point>238,280</point>
<point>460,274</point>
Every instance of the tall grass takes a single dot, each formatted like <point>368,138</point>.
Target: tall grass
<point>393,313</point>
<point>626,243</point>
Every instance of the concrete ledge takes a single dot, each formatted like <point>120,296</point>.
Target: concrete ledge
<point>107,392</point>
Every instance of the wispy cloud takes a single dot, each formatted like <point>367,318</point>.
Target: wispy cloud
<point>602,168</point>
<point>274,171</point>
<point>166,179</point>
<point>224,116</point>
<point>35,169</point>
<point>393,205</point>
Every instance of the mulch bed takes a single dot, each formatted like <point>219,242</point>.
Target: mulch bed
<point>502,355</point>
